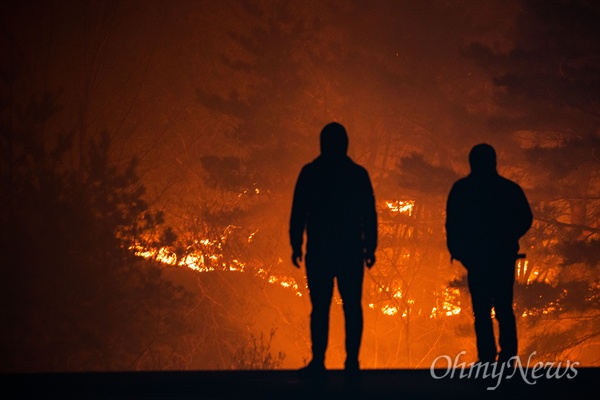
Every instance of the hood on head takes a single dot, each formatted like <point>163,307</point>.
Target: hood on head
<point>334,140</point>
<point>482,159</point>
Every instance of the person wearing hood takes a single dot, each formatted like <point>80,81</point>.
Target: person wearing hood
<point>486,215</point>
<point>335,205</point>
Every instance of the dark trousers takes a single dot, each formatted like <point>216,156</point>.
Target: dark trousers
<point>321,275</point>
<point>491,285</point>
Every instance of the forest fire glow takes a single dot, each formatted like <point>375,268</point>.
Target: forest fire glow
<point>148,157</point>
<point>198,263</point>
<point>401,206</point>
<point>389,310</point>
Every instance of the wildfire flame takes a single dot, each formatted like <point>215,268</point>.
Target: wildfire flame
<point>212,262</point>
<point>401,206</point>
<point>200,263</point>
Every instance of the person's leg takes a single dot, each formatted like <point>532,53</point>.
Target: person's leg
<point>482,309</point>
<point>503,304</point>
<point>320,285</point>
<point>350,281</point>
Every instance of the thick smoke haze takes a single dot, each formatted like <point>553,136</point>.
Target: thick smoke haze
<point>134,127</point>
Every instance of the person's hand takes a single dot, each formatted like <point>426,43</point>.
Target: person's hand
<point>297,259</point>
<point>370,260</point>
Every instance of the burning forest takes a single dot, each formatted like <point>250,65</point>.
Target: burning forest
<point>149,151</point>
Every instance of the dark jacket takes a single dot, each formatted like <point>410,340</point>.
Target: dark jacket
<point>486,215</point>
<point>334,202</point>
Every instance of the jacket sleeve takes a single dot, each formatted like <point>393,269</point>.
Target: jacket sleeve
<point>524,216</point>
<point>370,218</point>
<point>453,230</point>
<point>299,213</point>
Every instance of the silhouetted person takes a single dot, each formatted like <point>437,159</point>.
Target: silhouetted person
<point>486,215</point>
<point>335,205</point>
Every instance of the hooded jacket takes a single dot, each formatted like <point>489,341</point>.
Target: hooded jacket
<point>486,215</point>
<point>335,204</point>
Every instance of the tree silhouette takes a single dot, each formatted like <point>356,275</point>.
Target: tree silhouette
<point>74,296</point>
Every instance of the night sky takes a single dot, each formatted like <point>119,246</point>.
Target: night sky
<point>156,74</point>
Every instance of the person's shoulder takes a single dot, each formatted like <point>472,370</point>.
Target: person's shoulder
<point>462,187</point>
<point>509,184</point>
<point>462,182</point>
<point>310,171</point>
<point>311,166</point>
<point>359,172</point>
<point>356,166</point>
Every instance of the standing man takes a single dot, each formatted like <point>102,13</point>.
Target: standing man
<point>335,205</point>
<point>486,214</point>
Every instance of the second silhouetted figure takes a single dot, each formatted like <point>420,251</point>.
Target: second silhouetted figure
<point>486,215</point>
<point>335,205</point>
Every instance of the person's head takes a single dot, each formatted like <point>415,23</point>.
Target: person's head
<point>334,140</point>
<point>482,159</point>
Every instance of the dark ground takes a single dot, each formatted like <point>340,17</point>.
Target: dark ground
<point>373,384</point>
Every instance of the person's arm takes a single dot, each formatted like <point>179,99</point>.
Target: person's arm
<point>452,236</point>
<point>524,216</point>
<point>298,219</point>
<point>370,223</point>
